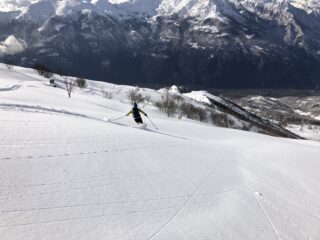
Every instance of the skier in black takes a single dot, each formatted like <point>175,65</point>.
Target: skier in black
<point>136,113</point>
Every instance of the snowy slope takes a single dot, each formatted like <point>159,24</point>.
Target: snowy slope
<point>310,6</point>
<point>67,174</point>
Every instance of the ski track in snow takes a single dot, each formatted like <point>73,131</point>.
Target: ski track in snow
<point>84,153</point>
<point>186,202</point>
<point>67,174</point>
<point>11,88</point>
<point>283,215</point>
<point>39,109</point>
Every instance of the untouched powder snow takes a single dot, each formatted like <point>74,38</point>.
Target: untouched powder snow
<point>68,174</point>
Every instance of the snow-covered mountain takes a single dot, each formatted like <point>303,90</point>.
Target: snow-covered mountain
<point>187,8</point>
<point>198,8</point>
<point>266,43</point>
<point>38,10</point>
<point>68,174</point>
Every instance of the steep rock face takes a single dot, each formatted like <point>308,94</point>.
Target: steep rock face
<point>200,43</point>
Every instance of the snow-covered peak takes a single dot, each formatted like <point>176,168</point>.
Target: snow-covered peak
<point>174,90</point>
<point>15,5</point>
<point>66,7</point>
<point>196,8</point>
<point>217,8</point>
<point>38,9</point>
<point>200,96</point>
<point>277,6</point>
<point>42,9</point>
<point>138,6</point>
<point>310,6</point>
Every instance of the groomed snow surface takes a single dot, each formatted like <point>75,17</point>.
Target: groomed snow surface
<point>66,174</point>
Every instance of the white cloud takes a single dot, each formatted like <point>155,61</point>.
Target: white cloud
<point>11,46</point>
<point>13,5</point>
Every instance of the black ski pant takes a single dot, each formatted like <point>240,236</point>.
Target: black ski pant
<point>138,120</point>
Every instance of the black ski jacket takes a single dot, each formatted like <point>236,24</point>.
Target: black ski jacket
<point>136,113</point>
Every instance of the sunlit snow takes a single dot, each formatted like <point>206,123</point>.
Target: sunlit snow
<point>67,173</point>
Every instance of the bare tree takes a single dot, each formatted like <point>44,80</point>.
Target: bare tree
<point>283,122</point>
<point>8,64</point>
<point>69,85</point>
<point>202,115</point>
<point>106,94</point>
<point>81,82</point>
<point>193,112</point>
<point>9,67</point>
<point>168,104</point>
<point>134,96</point>
<point>219,119</point>
<point>43,70</point>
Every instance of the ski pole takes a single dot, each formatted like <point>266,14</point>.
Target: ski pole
<point>152,123</point>
<point>118,118</point>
